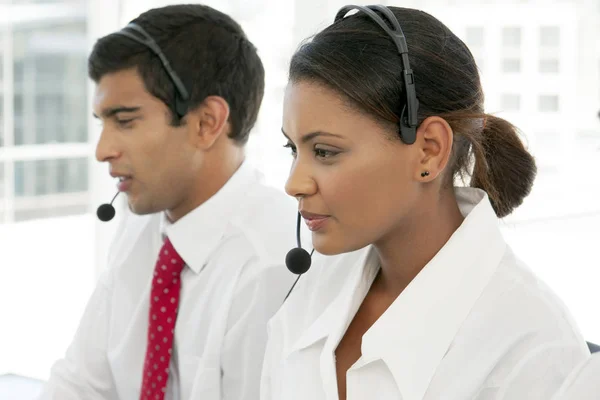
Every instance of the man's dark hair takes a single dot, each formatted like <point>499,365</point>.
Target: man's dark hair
<point>207,49</point>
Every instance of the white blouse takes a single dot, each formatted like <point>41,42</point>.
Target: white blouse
<point>583,383</point>
<point>474,324</point>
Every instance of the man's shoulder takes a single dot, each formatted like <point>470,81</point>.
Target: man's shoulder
<point>264,198</point>
<point>266,223</point>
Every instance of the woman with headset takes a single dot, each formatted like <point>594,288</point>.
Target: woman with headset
<point>416,294</point>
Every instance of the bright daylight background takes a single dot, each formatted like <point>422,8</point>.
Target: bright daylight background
<point>540,63</point>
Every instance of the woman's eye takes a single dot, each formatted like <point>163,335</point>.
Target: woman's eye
<point>323,153</point>
<point>290,146</point>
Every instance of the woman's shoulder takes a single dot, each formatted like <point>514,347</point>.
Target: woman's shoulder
<point>520,337</point>
<point>583,383</point>
<point>517,288</point>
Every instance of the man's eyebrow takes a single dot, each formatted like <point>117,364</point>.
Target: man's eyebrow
<point>111,111</point>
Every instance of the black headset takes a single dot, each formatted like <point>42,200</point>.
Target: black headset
<point>182,96</point>
<point>298,260</point>
<point>408,115</point>
<point>106,212</point>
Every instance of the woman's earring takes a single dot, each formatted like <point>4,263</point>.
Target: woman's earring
<point>424,174</point>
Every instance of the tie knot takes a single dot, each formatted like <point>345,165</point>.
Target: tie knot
<point>169,261</point>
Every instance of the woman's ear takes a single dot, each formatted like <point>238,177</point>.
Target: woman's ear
<point>434,138</point>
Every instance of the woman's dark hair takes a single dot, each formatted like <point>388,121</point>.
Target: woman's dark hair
<point>357,59</point>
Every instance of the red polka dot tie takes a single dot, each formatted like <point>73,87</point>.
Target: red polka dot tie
<point>164,299</point>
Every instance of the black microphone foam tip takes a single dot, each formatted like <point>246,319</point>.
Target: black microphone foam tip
<point>105,212</point>
<point>298,260</point>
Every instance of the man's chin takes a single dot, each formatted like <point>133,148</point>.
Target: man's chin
<point>139,209</point>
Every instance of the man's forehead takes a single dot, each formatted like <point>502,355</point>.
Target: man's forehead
<point>121,88</point>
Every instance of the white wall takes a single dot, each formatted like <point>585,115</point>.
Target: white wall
<point>46,277</point>
<point>104,18</point>
<point>49,267</point>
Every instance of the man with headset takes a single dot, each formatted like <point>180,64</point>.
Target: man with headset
<point>196,268</point>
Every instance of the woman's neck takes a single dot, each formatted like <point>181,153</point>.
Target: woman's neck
<point>404,252</point>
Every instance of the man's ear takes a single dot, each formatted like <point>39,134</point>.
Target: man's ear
<point>208,122</point>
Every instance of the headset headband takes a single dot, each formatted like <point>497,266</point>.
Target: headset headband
<point>408,115</point>
<point>182,95</point>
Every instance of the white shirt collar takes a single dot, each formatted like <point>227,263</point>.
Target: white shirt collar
<point>414,334</point>
<point>196,234</point>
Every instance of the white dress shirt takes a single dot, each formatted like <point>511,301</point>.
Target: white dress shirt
<point>583,383</point>
<point>234,247</point>
<point>474,324</point>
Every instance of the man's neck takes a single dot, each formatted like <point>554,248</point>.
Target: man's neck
<point>215,175</point>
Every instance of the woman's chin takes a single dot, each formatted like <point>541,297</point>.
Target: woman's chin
<point>331,246</point>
